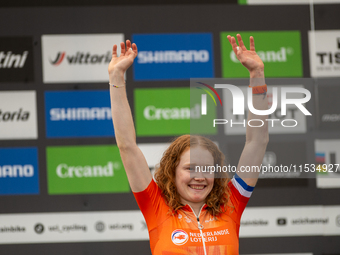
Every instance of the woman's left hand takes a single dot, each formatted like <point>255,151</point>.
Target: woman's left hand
<point>248,58</point>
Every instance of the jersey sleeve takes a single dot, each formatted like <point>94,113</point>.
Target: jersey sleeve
<point>240,193</point>
<point>152,204</point>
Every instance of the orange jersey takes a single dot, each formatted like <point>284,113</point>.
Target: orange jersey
<point>180,234</point>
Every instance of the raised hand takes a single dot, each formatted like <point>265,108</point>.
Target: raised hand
<point>125,60</point>
<point>248,58</point>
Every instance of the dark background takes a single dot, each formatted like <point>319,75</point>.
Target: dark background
<point>27,18</point>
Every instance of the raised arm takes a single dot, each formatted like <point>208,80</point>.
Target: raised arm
<point>135,165</point>
<point>256,137</point>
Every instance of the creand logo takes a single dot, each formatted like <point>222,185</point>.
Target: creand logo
<point>80,58</point>
<point>179,237</point>
<point>152,112</point>
<point>66,171</point>
<point>269,56</point>
<point>238,104</point>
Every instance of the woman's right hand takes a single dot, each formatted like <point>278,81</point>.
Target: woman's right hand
<point>124,61</point>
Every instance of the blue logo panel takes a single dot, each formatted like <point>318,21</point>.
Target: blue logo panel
<point>19,172</point>
<point>173,56</point>
<point>78,114</point>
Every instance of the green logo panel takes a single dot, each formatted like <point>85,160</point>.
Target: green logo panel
<point>167,112</point>
<point>85,170</point>
<point>280,52</point>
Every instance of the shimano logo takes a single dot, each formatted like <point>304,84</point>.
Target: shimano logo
<point>9,60</point>
<point>151,112</point>
<point>330,117</point>
<point>269,56</point>
<point>81,58</point>
<point>16,171</point>
<point>19,115</point>
<point>172,56</point>
<point>65,171</point>
<point>84,113</point>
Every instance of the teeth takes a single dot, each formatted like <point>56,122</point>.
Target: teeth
<point>196,187</point>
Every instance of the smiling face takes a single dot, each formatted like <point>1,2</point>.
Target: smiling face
<point>194,187</point>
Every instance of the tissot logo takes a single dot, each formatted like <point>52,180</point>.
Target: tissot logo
<point>324,52</point>
<point>81,58</point>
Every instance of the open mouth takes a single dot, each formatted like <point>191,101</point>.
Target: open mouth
<point>197,187</point>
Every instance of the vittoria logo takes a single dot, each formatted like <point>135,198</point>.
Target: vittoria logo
<point>77,57</point>
<point>59,59</point>
<point>19,115</point>
<point>179,237</point>
<point>81,58</point>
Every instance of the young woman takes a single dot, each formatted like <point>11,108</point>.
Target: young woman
<point>189,212</point>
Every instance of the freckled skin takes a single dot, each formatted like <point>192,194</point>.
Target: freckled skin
<point>196,156</point>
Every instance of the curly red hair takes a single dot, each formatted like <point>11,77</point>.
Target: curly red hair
<point>217,200</point>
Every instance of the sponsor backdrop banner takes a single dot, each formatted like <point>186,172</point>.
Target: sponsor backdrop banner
<point>324,53</point>
<point>16,59</point>
<point>130,225</point>
<point>281,165</point>
<point>169,111</point>
<point>19,173</point>
<point>327,159</point>
<point>329,107</point>
<point>153,153</point>
<point>85,170</point>
<point>173,56</point>
<point>78,114</point>
<point>280,52</point>
<point>290,221</point>
<point>18,115</point>
<point>62,182</point>
<point>77,58</point>
<point>73,227</point>
<point>294,122</point>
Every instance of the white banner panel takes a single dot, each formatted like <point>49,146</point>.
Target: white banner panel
<point>130,225</point>
<point>324,53</point>
<point>72,227</point>
<point>78,58</point>
<point>290,221</point>
<point>18,115</point>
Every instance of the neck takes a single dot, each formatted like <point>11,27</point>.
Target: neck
<point>196,207</point>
